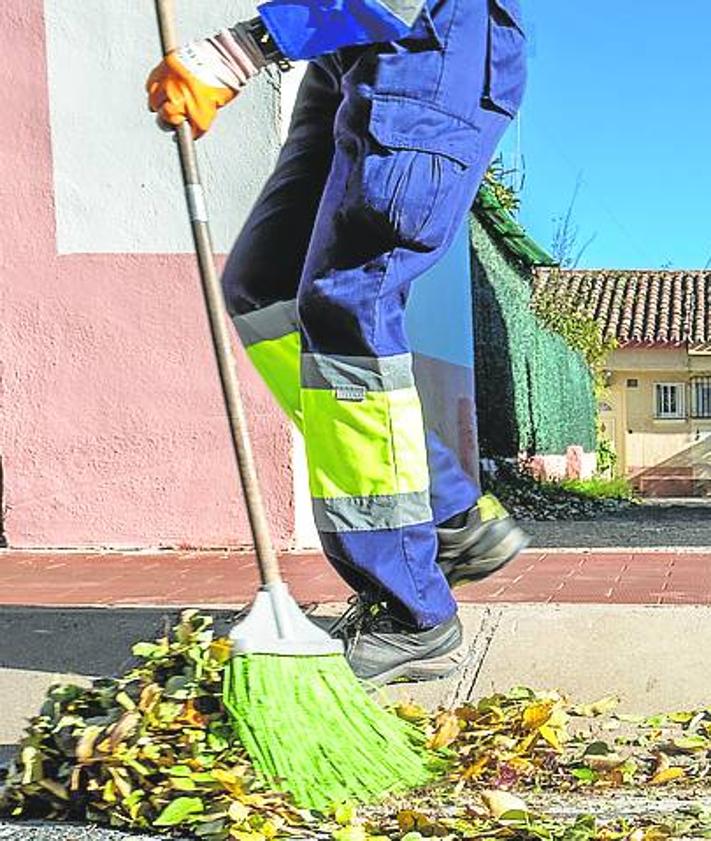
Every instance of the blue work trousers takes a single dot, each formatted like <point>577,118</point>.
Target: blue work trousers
<point>387,147</point>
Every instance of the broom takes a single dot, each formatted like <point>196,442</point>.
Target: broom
<point>306,722</point>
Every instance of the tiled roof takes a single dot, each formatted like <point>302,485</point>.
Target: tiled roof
<point>638,307</point>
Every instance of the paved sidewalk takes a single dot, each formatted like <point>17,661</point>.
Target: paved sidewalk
<point>220,578</point>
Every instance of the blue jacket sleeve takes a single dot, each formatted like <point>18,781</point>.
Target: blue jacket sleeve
<point>309,28</point>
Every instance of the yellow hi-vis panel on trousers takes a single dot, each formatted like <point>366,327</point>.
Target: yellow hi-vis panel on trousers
<point>278,361</point>
<point>362,448</point>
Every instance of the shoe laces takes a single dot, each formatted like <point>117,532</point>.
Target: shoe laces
<point>365,611</point>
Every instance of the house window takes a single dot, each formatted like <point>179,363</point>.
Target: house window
<point>669,401</point>
<point>701,397</point>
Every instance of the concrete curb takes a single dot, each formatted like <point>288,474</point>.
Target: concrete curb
<point>654,657</point>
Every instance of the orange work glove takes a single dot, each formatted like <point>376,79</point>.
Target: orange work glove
<point>192,82</point>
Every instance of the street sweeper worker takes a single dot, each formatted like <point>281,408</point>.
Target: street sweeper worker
<point>400,110</point>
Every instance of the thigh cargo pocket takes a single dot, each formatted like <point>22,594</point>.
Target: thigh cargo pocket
<point>506,58</point>
<point>413,176</point>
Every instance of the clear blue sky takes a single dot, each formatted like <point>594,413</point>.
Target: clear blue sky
<point>620,92</point>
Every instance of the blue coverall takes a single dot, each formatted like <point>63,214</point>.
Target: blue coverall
<point>395,123</point>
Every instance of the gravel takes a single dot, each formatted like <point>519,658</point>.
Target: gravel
<point>11,831</point>
<point>653,524</point>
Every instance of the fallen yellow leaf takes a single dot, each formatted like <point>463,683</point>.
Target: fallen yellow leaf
<point>666,775</point>
<point>221,649</point>
<point>550,734</point>
<point>411,712</point>
<point>537,715</point>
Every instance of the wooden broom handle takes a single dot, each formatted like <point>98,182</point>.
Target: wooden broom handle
<point>217,316</point>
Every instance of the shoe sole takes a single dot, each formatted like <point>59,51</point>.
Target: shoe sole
<point>467,572</point>
<point>419,671</point>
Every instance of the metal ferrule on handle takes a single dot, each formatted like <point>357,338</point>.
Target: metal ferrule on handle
<point>217,316</point>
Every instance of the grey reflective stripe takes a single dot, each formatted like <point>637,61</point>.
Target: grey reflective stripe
<point>271,322</point>
<point>386,373</point>
<point>372,512</point>
<point>406,10</point>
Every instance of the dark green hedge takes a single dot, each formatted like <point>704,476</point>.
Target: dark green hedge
<point>534,392</point>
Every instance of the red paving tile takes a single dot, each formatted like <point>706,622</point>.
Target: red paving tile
<point>225,578</point>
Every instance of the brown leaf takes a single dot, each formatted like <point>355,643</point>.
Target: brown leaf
<point>123,728</point>
<point>477,768</point>
<point>447,730</point>
<point>150,695</point>
<point>192,716</point>
<point>406,820</point>
<point>85,745</point>
<point>120,778</point>
<point>604,761</point>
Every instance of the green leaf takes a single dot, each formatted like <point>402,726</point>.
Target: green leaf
<point>597,749</point>
<point>125,701</point>
<point>514,816</point>
<point>183,784</point>
<point>691,743</point>
<point>177,687</point>
<point>211,829</point>
<point>586,775</point>
<point>179,810</point>
<point>148,650</point>
<point>681,717</point>
<point>179,771</point>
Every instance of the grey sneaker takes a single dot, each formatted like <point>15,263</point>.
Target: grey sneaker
<point>487,541</point>
<point>382,648</point>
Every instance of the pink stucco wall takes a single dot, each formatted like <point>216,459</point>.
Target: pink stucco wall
<point>111,424</point>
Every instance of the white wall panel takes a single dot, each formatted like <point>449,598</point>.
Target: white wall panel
<point>116,176</point>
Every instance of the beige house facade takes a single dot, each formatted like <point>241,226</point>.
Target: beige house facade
<point>657,411</point>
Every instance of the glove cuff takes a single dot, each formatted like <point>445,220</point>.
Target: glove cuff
<point>240,60</point>
<point>254,36</point>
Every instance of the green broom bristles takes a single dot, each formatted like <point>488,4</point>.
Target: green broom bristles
<point>312,730</point>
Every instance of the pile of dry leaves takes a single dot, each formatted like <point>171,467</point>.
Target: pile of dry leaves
<point>151,749</point>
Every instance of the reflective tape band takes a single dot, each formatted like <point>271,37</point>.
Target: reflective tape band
<point>387,373</point>
<point>372,513</point>
<point>270,322</point>
<point>197,206</point>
